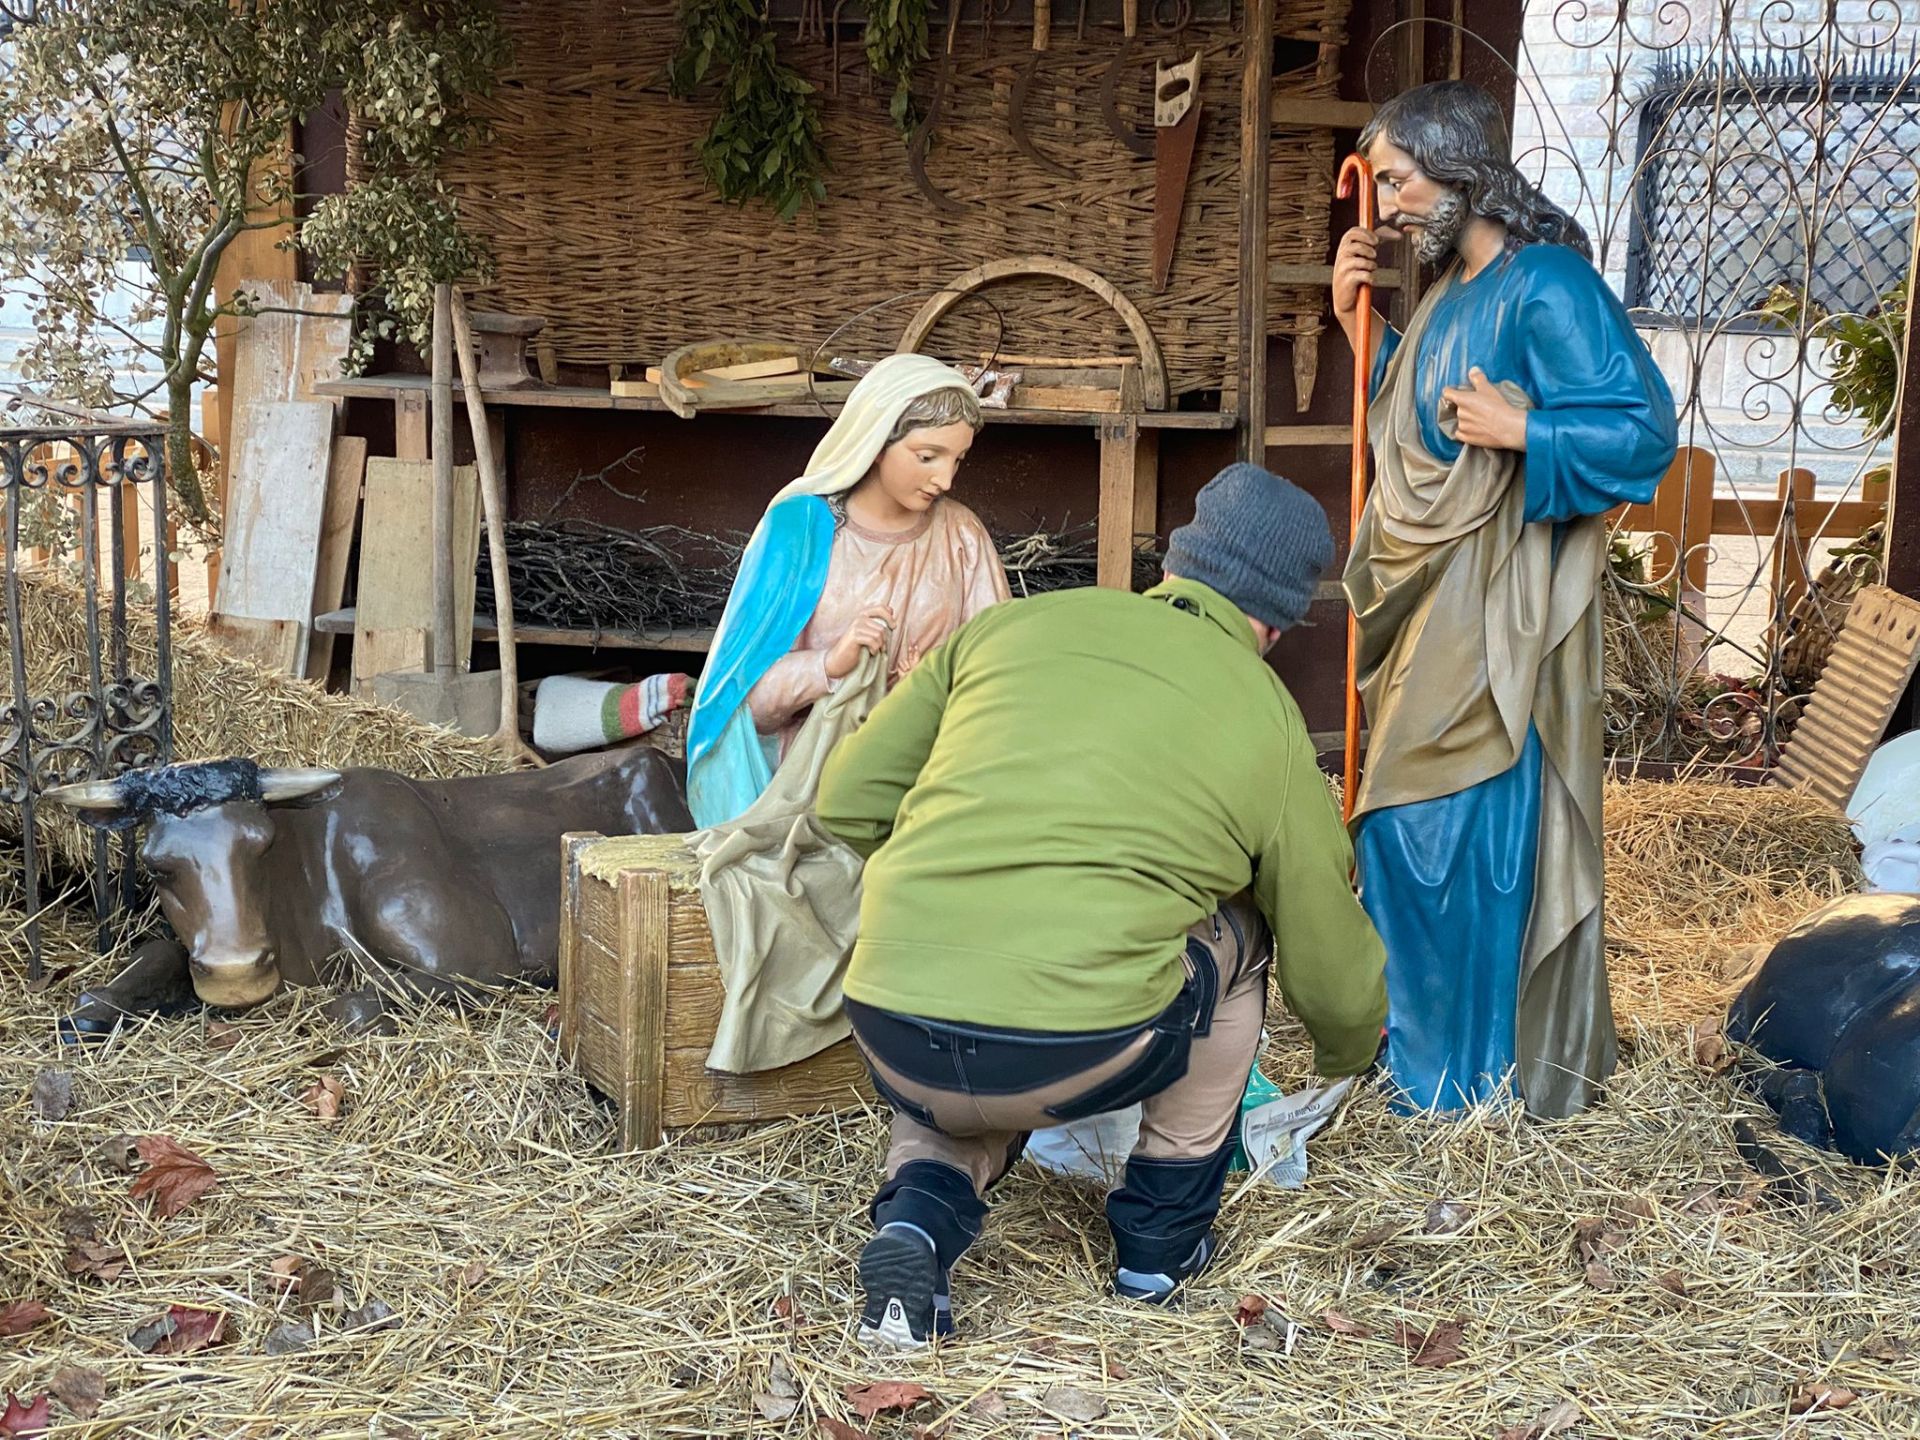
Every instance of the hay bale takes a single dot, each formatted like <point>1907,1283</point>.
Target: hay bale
<point>224,705</point>
<point>1699,873</point>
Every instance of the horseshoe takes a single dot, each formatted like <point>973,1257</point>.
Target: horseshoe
<point>1023,83</point>
<point>923,133</point>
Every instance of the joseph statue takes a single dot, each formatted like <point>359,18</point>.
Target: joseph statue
<point>1518,408</point>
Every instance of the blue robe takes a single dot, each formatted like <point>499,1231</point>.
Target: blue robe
<point>1449,882</point>
<point>781,577</point>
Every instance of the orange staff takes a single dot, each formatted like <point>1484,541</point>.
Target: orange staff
<point>1357,174</point>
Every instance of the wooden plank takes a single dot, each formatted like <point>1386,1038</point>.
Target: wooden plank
<point>276,644</point>
<point>634,390</point>
<point>1146,484</point>
<point>276,501</point>
<point>754,369</point>
<point>1119,454</point>
<point>695,641</point>
<point>1788,568</point>
<point>383,652</point>
<point>1827,520</point>
<point>344,478</point>
<point>395,589</point>
<point>1064,397</point>
<point>1312,113</point>
<point>409,423</point>
<point>1256,126</point>
<point>1283,436</point>
<point>1385,278</point>
<point>251,258</point>
<point>643,945</point>
<point>393,388</point>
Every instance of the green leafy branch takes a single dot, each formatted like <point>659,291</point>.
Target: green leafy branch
<point>896,41</point>
<point>764,144</point>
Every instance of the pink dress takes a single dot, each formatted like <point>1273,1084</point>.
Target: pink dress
<point>936,576</point>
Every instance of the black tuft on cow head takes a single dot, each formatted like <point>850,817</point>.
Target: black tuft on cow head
<point>141,795</point>
<point>208,829</point>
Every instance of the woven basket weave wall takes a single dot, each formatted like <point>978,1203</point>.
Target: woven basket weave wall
<point>591,195</point>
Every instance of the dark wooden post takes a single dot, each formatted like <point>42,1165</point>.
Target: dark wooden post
<point>1256,117</point>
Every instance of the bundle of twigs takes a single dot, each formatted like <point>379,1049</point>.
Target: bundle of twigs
<point>579,575</point>
<point>1047,560</point>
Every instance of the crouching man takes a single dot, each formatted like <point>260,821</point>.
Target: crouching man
<point>1055,805</point>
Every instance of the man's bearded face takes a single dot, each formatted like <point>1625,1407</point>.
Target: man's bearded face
<point>1437,232</point>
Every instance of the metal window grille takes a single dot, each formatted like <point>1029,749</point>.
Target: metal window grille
<point>1755,170</point>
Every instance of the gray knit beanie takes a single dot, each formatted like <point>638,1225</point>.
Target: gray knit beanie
<point>1258,539</point>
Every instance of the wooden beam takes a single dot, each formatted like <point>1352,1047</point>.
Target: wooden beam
<point>1119,494</point>
<point>251,257</point>
<point>1311,112</point>
<point>1384,279</point>
<point>1256,120</point>
<point>1790,578</point>
<point>1299,436</point>
<point>1903,506</point>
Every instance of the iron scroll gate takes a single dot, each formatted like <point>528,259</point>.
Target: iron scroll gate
<point>1747,175</point>
<point>97,716</point>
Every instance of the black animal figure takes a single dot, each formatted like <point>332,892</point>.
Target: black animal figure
<point>1837,1003</point>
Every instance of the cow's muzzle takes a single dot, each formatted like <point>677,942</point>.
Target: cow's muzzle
<point>237,983</point>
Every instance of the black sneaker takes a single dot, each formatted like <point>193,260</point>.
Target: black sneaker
<point>1158,1288</point>
<point>900,1275</point>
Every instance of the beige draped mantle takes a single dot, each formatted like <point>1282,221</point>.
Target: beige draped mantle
<point>1471,626</point>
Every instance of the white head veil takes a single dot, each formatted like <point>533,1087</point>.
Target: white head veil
<point>847,452</point>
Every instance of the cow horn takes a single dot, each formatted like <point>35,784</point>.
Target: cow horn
<point>87,795</point>
<point>277,786</point>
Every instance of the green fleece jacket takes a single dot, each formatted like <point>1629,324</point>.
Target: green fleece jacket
<point>1050,799</point>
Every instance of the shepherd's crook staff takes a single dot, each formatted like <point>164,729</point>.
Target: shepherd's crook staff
<point>1357,174</point>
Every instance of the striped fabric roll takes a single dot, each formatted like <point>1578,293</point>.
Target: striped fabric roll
<point>572,714</point>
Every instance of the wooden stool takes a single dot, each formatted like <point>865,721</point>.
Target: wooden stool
<point>640,997</point>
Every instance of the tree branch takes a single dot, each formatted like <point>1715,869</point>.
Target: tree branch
<point>156,237</point>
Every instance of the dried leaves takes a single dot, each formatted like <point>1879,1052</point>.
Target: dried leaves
<point>1447,1217</point>
<point>1561,1416</point>
<point>1250,1310</point>
<point>19,1316</point>
<point>175,1177</point>
<point>1809,1398</point>
<point>81,1390</point>
<point>885,1395</point>
<point>95,1260</point>
<point>181,1331</point>
<point>52,1094</point>
<point>25,1422</point>
<point>1433,1349</point>
<point>1341,1325</point>
<point>324,1098</point>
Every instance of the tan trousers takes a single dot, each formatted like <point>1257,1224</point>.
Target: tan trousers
<point>1187,1124</point>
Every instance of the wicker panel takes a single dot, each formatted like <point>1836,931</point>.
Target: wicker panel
<point>1865,677</point>
<point>591,194</point>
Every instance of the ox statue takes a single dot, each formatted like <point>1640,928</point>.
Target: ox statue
<point>442,887</point>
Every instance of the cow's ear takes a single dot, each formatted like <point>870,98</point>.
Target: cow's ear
<point>98,803</point>
<point>292,787</point>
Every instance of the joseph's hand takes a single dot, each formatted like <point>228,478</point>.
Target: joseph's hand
<point>1486,417</point>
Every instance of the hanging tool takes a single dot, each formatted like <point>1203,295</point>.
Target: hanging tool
<point>1140,144</point>
<point>923,133</point>
<point>1176,125</point>
<point>1023,84</point>
<point>1357,175</point>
